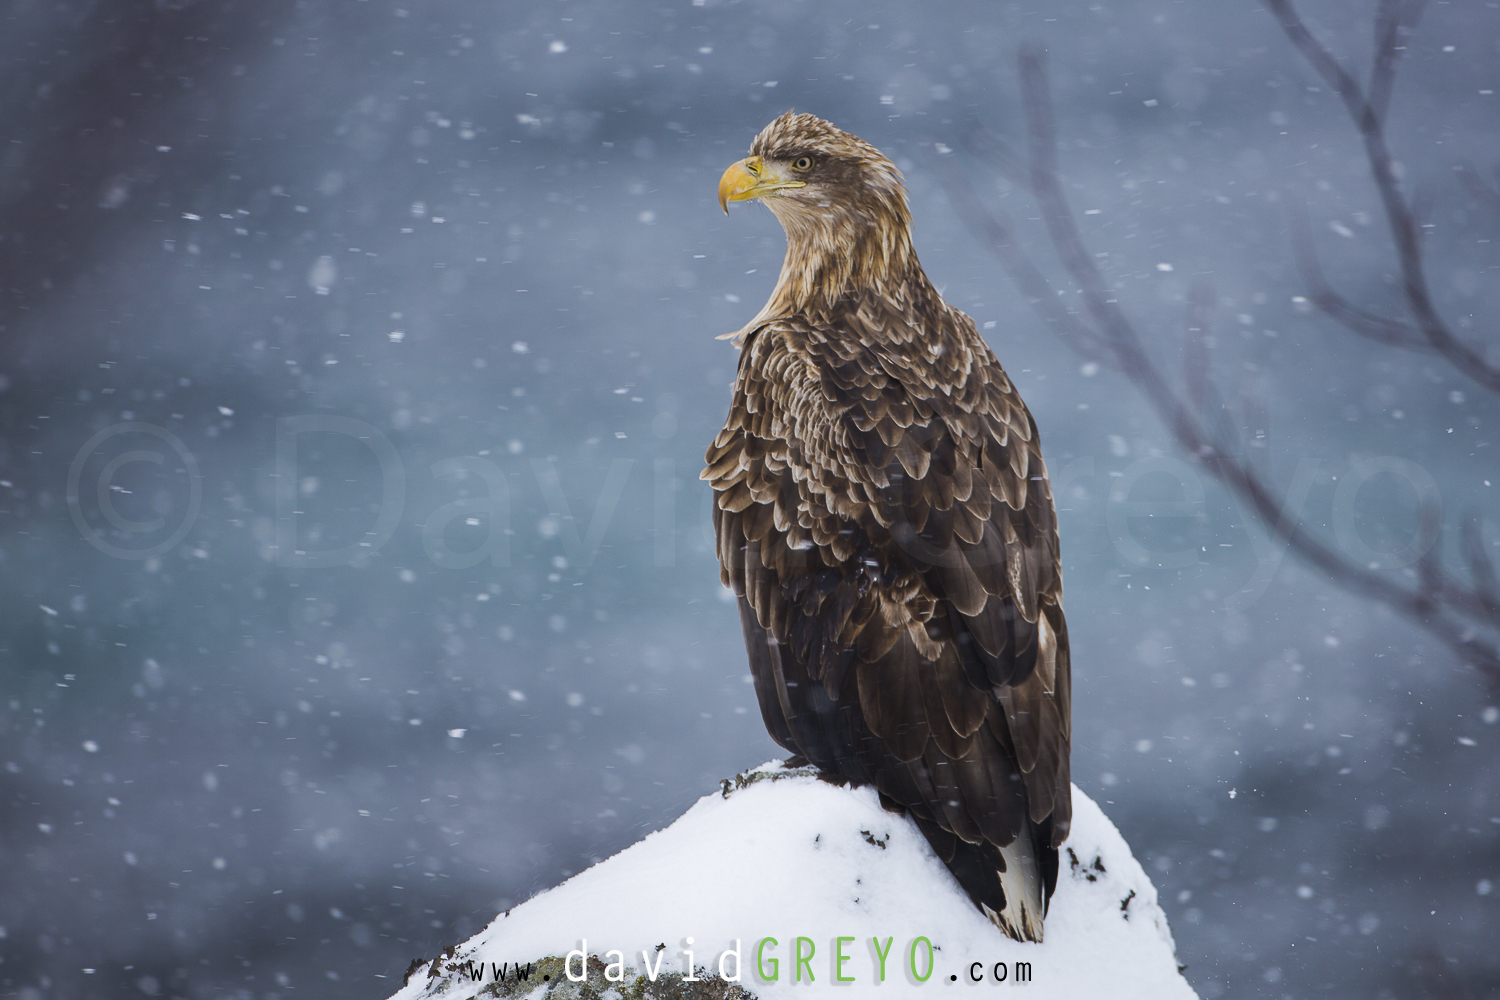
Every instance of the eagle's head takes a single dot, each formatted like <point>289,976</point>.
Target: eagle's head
<point>812,174</point>
<point>840,200</point>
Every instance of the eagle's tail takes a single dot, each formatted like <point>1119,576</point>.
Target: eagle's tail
<point>1021,882</point>
<point>1010,884</point>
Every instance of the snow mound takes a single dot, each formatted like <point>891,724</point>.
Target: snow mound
<point>825,872</point>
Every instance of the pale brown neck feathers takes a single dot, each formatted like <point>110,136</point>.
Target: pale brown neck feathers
<point>834,255</point>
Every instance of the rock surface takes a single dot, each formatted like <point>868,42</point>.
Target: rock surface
<point>778,854</point>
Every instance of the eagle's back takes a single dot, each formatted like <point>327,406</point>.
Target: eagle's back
<point>883,512</point>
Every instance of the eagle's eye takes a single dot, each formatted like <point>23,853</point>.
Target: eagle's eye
<point>802,163</point>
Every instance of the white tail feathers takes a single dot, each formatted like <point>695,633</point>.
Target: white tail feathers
<point>1021,917</point>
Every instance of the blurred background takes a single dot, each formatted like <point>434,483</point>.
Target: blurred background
<point>358,365</point>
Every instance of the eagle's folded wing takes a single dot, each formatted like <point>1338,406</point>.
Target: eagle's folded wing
<point>885,516</point>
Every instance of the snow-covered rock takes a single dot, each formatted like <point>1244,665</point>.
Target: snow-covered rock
<point>825,872</point>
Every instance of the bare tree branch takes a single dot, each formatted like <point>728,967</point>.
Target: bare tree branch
<point>1393,332</point>
<point>1481,566</point>
<point>1000,156</point>
<point>1430,563</point>
<point>1481,191</point>
<point>992,231</point>
<point>1405,227</point>
<point>1440,606</point>
<point>1393,22</point>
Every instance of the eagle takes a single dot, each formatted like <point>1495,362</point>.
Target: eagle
<point>882,514</point>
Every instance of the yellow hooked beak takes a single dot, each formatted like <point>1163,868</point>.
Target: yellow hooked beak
<point>751,178</point>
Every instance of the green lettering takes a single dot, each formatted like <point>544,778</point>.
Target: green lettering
<point>882,954</point>
<point>804,962</point>
<point>839,958</point>
<point>931,960</point>
<point>760,967</point>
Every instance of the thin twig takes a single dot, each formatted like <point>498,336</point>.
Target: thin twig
<point>1393,22</point>
<point>1216,419</point>
<point>1256,409</point>
<point>999,154</point>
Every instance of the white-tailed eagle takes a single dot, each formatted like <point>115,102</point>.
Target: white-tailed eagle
<point>884,517</point>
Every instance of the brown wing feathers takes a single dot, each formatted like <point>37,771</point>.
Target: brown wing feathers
<point>883,513</point>
<point>892,538</point>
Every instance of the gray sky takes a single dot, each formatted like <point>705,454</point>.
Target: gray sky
<point>305,254</point>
